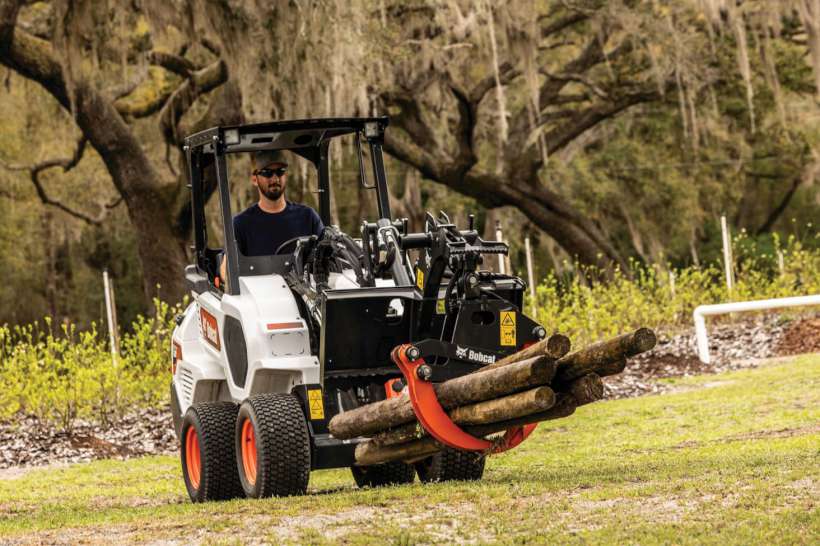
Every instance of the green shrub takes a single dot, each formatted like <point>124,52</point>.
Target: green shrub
<point>69,375</point>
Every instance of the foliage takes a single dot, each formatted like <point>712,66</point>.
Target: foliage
<point>62,374</point>
<point>589,312</point>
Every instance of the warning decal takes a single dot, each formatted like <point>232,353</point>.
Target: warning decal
<point>317,408</point>
<point>440,309</point>
<point>508,329</point>
<point>420,279</point>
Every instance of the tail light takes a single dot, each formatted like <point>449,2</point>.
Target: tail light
<point>176,356</point>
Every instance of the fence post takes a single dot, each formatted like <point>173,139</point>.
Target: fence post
<point>727,254</point>
<point>499,235</point>
<point>530,276</point>
<point>110,316</point>
<point>672,283</point>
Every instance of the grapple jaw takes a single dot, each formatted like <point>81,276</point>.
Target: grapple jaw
<point>434,418</point>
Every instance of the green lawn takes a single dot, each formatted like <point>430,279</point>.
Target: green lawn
<point>732,458</point>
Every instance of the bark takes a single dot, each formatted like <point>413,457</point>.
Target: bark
<point>475,387</point>
<point>604,357</point>
<point>501,409</point>
<point>370,452</point>
<point>554,347</point>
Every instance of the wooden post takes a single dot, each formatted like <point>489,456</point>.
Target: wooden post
<point>109,314</point>
<point>530,277</point>
<point>475,387</point>
<point>672,283</point>
<point>727,254</point>
<point>499,235</point>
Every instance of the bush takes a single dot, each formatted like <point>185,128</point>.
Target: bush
<point>69,375</point>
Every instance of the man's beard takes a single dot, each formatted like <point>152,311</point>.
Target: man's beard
<point>273,192</point>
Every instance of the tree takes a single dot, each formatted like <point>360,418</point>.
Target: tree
<point>73,62</point>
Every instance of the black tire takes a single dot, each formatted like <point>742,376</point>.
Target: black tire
<point>280,443</point>
<point>377,475</point>
<point>206,434</point>
<point>451,464</point>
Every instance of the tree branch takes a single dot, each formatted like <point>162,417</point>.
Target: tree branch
<point>201,82</point>
<point>173,63</point>
<point>66,164</point>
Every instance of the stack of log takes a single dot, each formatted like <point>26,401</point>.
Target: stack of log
<point>542,382</point>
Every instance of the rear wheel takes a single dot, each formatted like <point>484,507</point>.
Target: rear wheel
<point>207,452</point>
<point>272,446</point>
<point>376,475</point>
<point>451,464</point>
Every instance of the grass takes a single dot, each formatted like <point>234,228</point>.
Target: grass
<point>731,458</point>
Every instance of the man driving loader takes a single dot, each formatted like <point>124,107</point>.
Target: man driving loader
<point>262,228</point>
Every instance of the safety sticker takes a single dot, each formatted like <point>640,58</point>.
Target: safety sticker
<point>508,329</point>
<point>317,408</point>
<point>440,309</point>
<point>420,279</point>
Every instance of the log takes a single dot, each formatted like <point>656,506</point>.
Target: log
<point>604,357</point>
<point>554,346</point>
<point>588,387</point>
<point>501,409</point>
<point>475,387</point>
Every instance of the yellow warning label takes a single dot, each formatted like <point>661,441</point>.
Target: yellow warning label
<point>317,408</point>
<point>440,307</point>
<point>420,279</point>
<point>508,329</point>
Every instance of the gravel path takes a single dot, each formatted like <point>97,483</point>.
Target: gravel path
<point>25,444</point>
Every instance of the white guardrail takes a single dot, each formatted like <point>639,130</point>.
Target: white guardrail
<point>722,308</point>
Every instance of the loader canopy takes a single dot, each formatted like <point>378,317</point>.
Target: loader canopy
<point>206,153</point>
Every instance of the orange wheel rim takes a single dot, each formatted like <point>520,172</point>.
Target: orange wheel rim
<point>193,462</point>
<point>249,451</point>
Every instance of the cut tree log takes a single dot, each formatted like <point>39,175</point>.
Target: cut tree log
<point>605,357</point>
<point>475,387</point>
<point>501,409</point>
<point>554,346</point>
<point>589,388</point>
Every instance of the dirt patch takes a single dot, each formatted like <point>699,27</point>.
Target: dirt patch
<point>25,442</point>
<point>801,336</point>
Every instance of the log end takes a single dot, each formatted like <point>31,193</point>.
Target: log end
<point>643,339</point>
<point>588,389</point>
<point>557,346</point>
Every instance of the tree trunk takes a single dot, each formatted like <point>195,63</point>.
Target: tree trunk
<point>151,209</point>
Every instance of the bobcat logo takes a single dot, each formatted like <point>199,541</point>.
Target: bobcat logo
<point>461,352</point>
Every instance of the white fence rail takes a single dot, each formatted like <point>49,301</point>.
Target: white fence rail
<point>702,311</point>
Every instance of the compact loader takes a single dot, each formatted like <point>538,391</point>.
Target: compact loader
<point>332,327</point>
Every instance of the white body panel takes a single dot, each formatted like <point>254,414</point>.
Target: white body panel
<point>276,338</point>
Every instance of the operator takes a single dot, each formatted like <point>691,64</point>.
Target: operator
<point>263,227</point>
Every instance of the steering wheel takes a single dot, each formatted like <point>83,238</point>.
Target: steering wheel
<point>286,243</point>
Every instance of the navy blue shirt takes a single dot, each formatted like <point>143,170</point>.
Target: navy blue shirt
<point>259,233</point>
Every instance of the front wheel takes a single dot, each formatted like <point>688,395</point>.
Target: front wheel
<point>451,464</point>
<point>377,475</point>
<point>207,452</point>
<point>272,446</point>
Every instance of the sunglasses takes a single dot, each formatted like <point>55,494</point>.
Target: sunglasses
<point>267,173</point>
